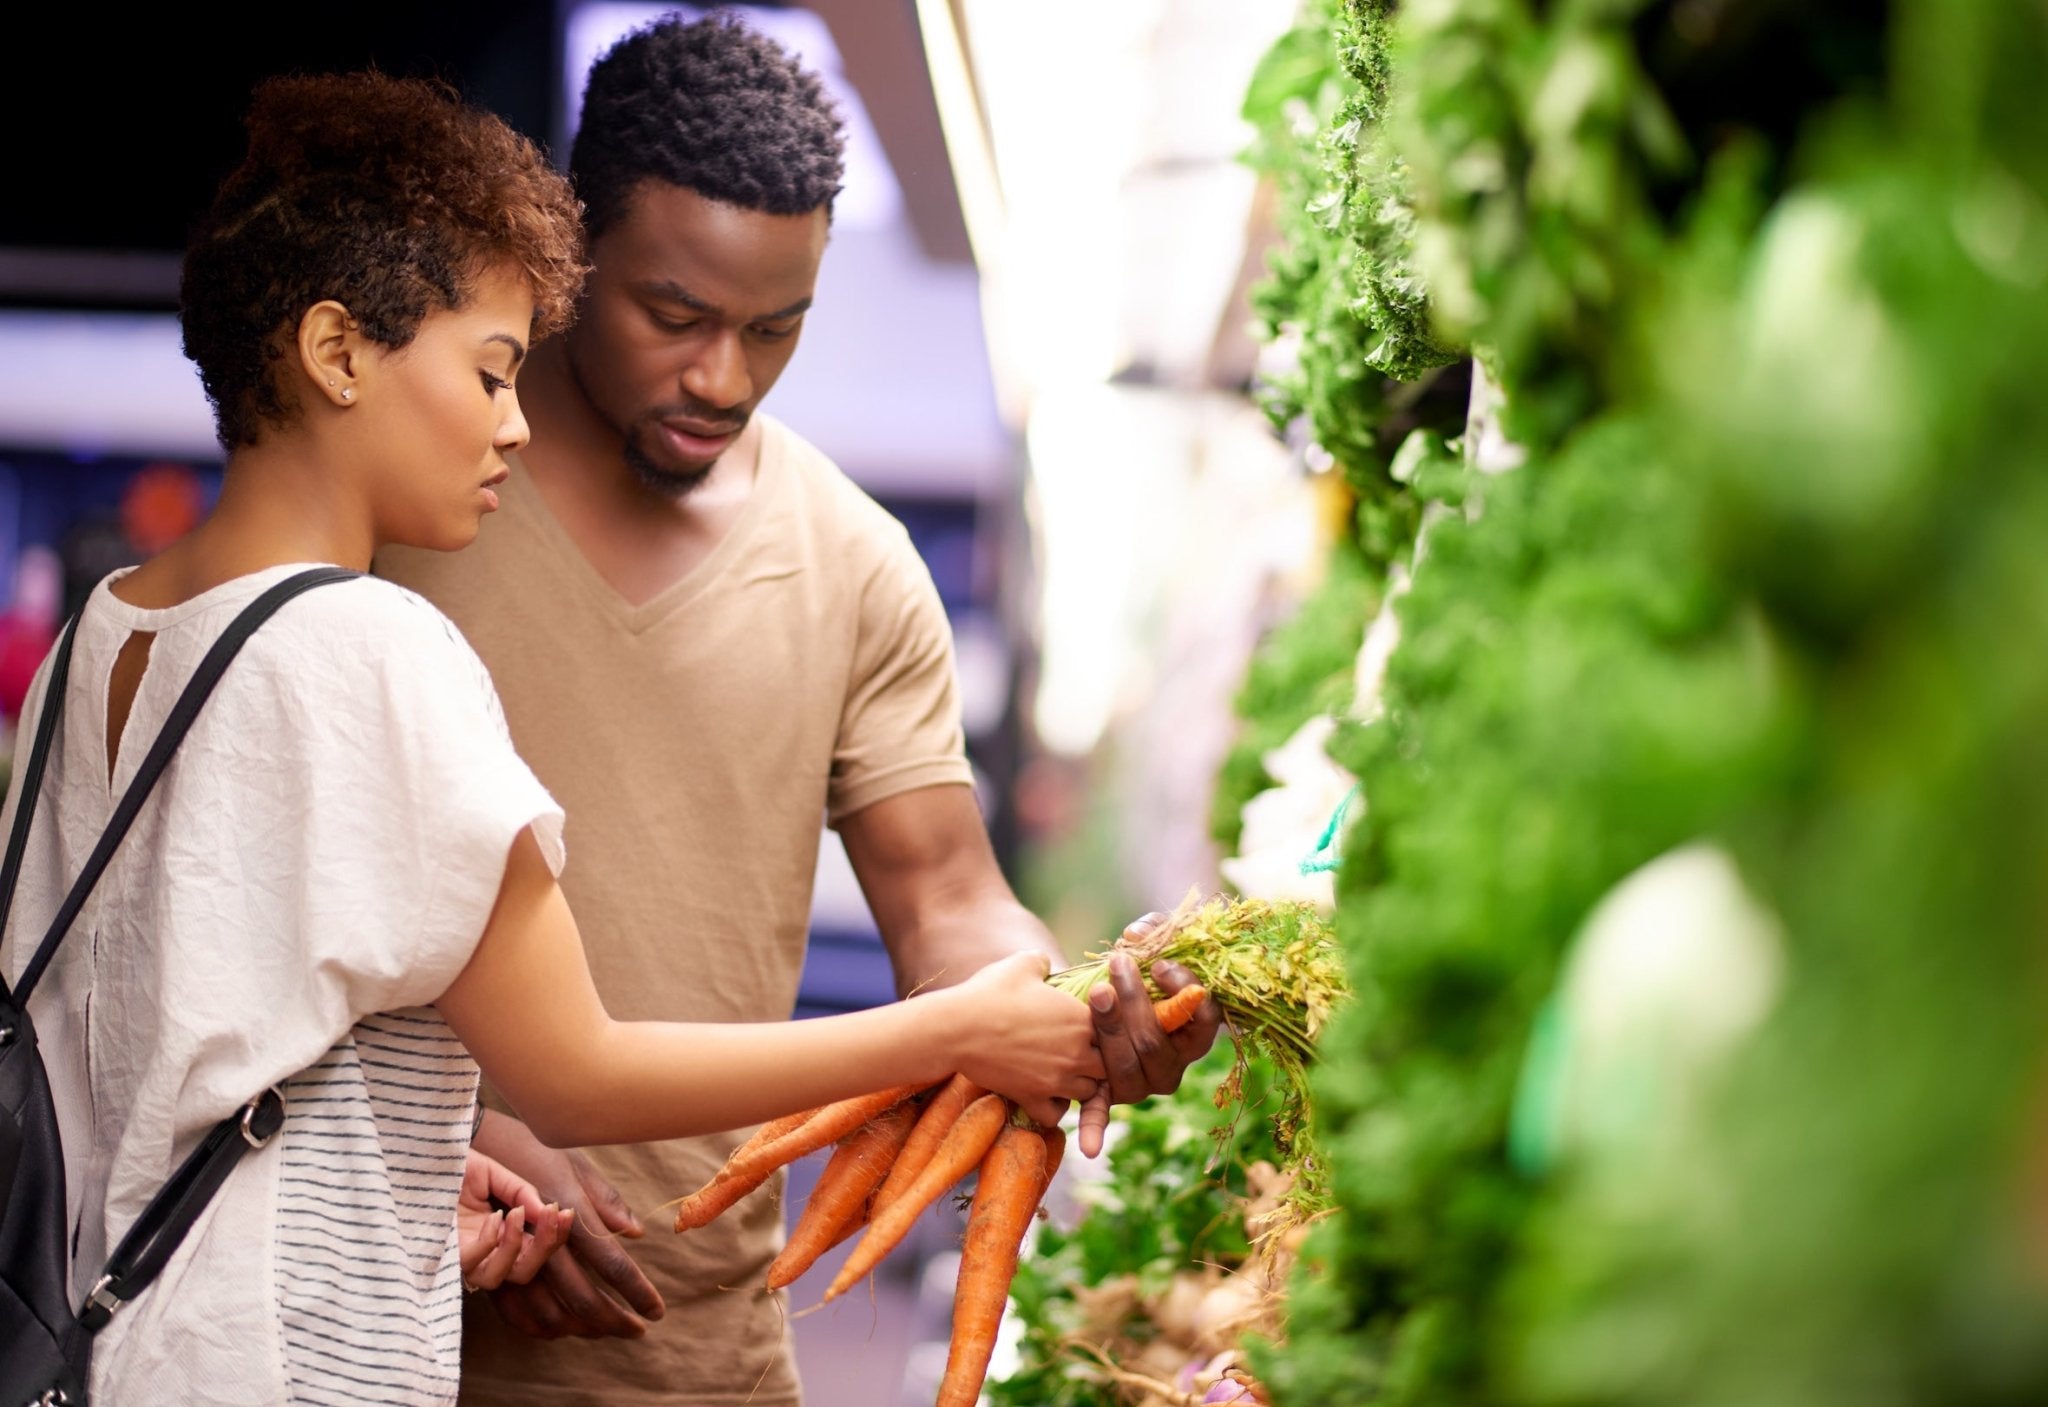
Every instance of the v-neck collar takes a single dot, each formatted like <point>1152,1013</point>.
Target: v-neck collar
<point>767,490</point>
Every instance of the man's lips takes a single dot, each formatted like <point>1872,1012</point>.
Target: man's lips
<point>691,438</point>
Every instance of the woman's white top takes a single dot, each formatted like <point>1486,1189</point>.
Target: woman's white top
<point>313,870</point>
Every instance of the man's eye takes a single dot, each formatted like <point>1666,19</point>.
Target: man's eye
<point>775,334</point>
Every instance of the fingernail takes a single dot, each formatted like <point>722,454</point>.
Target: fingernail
<point>1101,998</point>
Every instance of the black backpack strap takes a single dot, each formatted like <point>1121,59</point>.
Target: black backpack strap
<point>29,784</point>
<point>160,1228</point>
<point>175,725</point>
<point>163,1224</point>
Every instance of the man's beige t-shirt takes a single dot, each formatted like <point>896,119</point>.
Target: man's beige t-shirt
<point>801,672</point>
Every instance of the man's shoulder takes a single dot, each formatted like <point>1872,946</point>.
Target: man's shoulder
<point>826,494</point>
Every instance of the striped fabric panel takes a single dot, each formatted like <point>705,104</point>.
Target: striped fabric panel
<point>368,1281</point>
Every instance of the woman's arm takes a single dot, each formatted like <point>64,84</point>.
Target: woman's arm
<point>526,1008</point>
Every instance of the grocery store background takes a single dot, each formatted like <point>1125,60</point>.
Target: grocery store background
<point>1030,340</point>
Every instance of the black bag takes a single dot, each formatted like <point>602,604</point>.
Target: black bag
<point>45,1344</point>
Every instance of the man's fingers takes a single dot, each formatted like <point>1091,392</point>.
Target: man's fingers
<point>591,1312</point>
<point>605,1199</point>
<point>602,1256</point>
<point>1158,1066</point>
<point>1192,1041</point>
<point>1122,1073</point>
<point>533,1310</point>
<point>1094,1122</point>
<point>1141,926</point>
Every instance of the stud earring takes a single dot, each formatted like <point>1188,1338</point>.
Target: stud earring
<point>347,392</point>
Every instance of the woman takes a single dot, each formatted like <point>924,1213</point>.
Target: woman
<point>346,882</point>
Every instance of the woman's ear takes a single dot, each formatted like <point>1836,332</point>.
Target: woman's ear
<point>330,347</point>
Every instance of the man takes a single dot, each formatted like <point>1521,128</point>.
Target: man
<point>706,638</point>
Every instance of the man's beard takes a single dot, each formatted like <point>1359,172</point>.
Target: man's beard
<point>658,478</point>
<point>652,476</point>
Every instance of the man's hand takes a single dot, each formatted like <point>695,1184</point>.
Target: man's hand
<point>592,1288</point>
<point>1141,1057</point>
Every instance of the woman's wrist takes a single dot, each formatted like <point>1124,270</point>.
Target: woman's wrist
<point>948,1026</point>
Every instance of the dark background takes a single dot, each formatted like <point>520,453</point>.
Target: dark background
<point>124,123</point>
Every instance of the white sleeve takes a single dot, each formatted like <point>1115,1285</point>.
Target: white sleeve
<point>414,796</point>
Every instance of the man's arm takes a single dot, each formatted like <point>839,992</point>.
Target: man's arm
<point>924,862</point>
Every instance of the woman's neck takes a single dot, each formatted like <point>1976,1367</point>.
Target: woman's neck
<point>279,503</point>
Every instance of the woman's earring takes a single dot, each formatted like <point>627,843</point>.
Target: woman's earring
<point>348,392</point>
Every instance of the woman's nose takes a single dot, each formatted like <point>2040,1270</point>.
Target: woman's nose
<point>512,431</point>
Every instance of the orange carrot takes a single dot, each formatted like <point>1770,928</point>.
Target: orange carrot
<point>1177,1010</point>
<point>772,1130</point>
<point>963,1147</point>
<point>740,1176</point>
<point>860,1161</point>
<point>939,1115</point>
<point>1012,1177</point>
<point>1055,1149</point>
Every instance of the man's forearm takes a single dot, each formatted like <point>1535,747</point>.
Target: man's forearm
<point>945,946</point>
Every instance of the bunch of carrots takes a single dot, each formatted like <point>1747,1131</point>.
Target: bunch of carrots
<point>897,1151</point>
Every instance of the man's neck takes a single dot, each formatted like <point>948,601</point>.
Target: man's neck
<point>641,541</point>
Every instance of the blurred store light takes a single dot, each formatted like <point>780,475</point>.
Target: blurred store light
<point>101,383</point>
<point>1095,148</point>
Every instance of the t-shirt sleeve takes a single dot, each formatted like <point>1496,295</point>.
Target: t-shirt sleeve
<point>416,797</point>
<point>900,727</point>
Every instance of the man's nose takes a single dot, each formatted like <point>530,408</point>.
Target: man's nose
<point>719,376</point>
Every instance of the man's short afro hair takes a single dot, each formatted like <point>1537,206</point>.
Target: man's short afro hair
<point>713,106</point>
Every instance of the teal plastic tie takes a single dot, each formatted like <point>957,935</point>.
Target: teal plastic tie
<point>1324,857</point>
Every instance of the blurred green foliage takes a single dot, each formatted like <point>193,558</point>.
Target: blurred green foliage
<point>1771,574</point>
<point>1765,286</point>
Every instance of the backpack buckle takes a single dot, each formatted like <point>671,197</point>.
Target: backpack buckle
<point>100,1304</point>
<point>262,1117</point>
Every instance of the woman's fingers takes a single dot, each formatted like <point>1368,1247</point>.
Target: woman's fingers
<point>499,1242</point>
<point>547,1237</point>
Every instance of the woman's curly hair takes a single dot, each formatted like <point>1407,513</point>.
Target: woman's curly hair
<point>712,106</point>
<point>390,196</point>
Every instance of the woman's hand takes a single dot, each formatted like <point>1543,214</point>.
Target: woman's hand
<point>503,1231</point>
<point>1024,1039</point>
<point>593,1289</point>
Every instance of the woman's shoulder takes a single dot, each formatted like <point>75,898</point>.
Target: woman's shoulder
<point>367,629</point>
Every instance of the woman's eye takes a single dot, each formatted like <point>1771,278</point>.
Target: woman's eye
<point>494,384</point>
<point>670,324</point>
